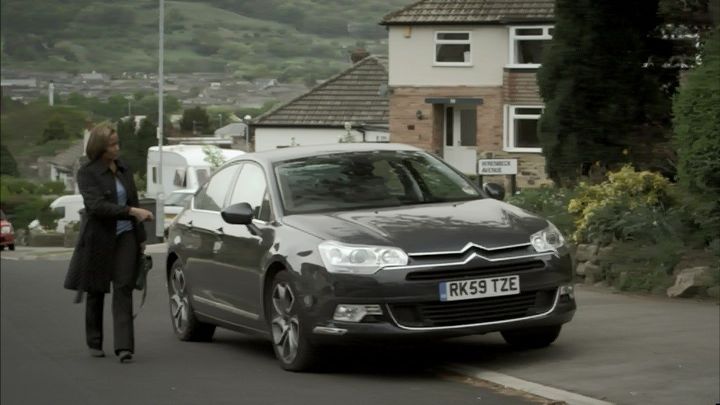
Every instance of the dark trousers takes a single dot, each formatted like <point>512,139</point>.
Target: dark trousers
<point>123,283</point>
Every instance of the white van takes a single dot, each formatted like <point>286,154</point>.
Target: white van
<point>68,207</point>
<point>184,167</point>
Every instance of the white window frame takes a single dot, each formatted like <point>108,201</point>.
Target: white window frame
<point>514,37</point>
<point>509,127</point>
<point>437,42</point>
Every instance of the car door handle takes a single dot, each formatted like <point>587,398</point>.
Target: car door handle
<point>189,224</point>
<point>220,231</point>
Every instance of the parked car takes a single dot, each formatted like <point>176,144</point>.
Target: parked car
<point>354,242</point>
<point>175,203</point>
<point>7,233</point>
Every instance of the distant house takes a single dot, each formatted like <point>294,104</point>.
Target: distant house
<point>237,132</point>
<point>30,83</point>
<point>462,76</point>
<point>93,77</point>
<point>352,104</point>
<point>263,84</point>
<point>63,166</point>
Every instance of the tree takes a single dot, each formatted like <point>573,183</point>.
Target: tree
<point>599,98</point>
<point>696,109</point>
<point>8,165</point>
<point>55,130</point>
<point>195,119</point>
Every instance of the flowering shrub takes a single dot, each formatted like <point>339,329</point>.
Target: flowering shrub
<point>548,202</point>
<point>628,202</point>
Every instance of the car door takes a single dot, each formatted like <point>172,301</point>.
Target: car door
<point>242,252</point>
<point>203,275</point>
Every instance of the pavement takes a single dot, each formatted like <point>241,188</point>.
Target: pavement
<point>620,348</point>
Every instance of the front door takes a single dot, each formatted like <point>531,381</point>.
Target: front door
<point>460,146</point>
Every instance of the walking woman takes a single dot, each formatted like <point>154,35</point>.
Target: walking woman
<point>111,240</point>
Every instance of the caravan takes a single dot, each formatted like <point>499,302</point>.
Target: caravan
<point>184,167</point>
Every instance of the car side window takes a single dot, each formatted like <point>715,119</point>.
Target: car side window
<point>251,187</point>
<point>211,196</point>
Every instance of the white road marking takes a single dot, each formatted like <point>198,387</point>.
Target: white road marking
<point>540,390</point>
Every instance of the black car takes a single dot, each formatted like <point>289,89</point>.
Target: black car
<point>356,242</point>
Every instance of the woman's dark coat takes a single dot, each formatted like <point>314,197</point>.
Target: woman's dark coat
<point>93,259</point>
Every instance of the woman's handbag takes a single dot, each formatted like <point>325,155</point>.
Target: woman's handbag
<point>145,264</point>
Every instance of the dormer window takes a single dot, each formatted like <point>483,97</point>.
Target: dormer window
<point>452,48</point>
<point>527,43</point>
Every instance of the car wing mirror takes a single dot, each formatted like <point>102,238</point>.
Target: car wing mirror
<point>494,190</point>
<point>238,214</point>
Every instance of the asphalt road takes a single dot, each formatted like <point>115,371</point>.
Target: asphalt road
<point>620,348</point>
<point>44,359</point>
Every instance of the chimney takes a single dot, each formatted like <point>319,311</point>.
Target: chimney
<point>358,54</point>
<point>51,94</point>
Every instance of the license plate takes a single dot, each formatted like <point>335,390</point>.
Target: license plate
<point>479,288</point>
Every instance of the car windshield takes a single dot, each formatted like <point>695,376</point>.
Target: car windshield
<point>360,180</point>
<point>178,199</point>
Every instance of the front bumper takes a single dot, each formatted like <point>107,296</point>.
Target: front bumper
<point>412,307</point>
<point>7,239</point>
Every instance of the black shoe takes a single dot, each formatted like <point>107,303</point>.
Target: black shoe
<point>96,352</point>
<point>125,356</point>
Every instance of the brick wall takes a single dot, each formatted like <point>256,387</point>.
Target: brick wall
<point>520,87</point>
<point>427,132</point>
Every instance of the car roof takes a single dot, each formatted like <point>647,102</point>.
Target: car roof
<point>298,152</point>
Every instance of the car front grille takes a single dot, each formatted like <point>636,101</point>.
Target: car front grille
<point>485,271</point>
<point>457,313</point>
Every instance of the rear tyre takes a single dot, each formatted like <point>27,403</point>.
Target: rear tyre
<point>532,338</point>
<point>185,325</point>
<point>292,347</point>
<point>11,247</point>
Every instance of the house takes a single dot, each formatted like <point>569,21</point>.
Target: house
<point>351,105</point>
<point>63,166</point>
<point>462,77</point>
<point>237,133</point>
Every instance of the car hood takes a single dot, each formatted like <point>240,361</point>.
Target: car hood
<point>426,228</point>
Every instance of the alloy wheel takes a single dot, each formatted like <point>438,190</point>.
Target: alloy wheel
<point>178,300</point>
<point>285,323</point>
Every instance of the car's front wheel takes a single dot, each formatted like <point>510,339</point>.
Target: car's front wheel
<point>532,338</point>
<point>292,348</point>
<point>186,326</point>
<point>11,247</point>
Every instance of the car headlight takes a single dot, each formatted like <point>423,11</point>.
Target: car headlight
<point>548,240</point>
<point>359,259</point>
<point>6,229</point>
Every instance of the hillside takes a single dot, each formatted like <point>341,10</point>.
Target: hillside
<point>251,38</point>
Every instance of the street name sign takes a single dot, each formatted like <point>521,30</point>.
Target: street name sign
<point>494,167</point>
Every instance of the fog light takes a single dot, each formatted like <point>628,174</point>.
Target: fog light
<point>568,290</point>
<point>355,313</point>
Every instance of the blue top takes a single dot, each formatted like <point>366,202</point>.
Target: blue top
<point>123,225</point>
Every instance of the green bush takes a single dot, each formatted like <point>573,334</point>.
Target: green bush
<point>23,208</point>
<point>618,208</point>
<point>641,266</point>
<point>696,109</point>
<point>548,202</point>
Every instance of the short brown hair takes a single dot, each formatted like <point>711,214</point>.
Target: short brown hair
<point>99,140</point>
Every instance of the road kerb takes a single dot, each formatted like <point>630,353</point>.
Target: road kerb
<point>518,384</point>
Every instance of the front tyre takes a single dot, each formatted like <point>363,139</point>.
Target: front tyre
<point>11,246</point>
<point>291,346</point>
<point>532,338</point>
<point>185,325</point>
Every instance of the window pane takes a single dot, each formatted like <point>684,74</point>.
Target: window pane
<point>468,127</point>
<point>202,176</point>
<point>529,51</point>
<point>368,179</point>
<point>250,187</point>
<point>212,197</point>
<point>452,53</point>
<point>453,36</point>
<point>449,126</point>
<point>529,31</point>
<point>526,133</point>
<point>528,111</point>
